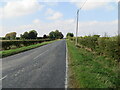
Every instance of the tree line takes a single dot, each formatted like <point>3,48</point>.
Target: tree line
<point>33,34</point>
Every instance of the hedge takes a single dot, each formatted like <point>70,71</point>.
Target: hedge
<point>7,44</point>
<point>102,45</point>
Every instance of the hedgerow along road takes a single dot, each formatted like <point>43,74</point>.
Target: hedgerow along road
<point>43,67</point>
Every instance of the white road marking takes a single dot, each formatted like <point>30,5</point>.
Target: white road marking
<point>22,70</point>
<point>3,77</point>
<point>19,71</point>
<point>66,77</point>
<point>40,54</point>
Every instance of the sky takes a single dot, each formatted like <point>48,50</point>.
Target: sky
<point>46,16</point>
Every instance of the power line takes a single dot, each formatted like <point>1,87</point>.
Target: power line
<point>83,4</point>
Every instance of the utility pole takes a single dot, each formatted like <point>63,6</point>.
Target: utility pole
<point>77,26</point>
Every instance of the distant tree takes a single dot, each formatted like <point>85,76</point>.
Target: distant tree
<point>60,35</point>
<point>29,35</point>
<point>25,35</point>
<point>55,35</point>
<point>70,35</point>
<point>45,36</point>
<point>33,34</point>
<point>52,35</point>
<point>11,35</point>
<point>21,36</point>
<point>7,36</point>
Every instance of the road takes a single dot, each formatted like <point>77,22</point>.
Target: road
<point>43,67</point>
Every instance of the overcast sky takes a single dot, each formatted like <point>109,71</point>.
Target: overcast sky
<point>25,15</point>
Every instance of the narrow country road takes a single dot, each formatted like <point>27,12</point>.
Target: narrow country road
<point>43,67</point>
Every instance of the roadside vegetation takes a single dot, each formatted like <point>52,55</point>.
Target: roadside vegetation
<point>94,62</point>
<point>10,44</point>
<point>9,52</point>
<point>13,44</point>
<point>106,46</point>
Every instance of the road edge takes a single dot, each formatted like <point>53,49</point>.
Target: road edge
<point>66,77</point>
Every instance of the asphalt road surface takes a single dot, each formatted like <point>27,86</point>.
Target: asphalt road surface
<point>43,67</point>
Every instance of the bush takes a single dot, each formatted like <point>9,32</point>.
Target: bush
<point>89,41</point>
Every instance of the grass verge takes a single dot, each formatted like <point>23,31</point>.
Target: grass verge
<point>88,70</point>
<point>22,49</point>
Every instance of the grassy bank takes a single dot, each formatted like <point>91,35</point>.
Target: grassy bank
<point>6,53</point>
<point>88,70</point>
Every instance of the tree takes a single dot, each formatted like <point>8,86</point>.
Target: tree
<point>60,35</point>
<point>25,35</point>
<point>70,35</point>
<point>29,35</point>
<point>45,36</point>
<point>32,34</point>
<point>52,35</point>
<point>11,35</point>
<point>55,35</point>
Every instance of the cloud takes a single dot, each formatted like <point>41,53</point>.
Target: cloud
<point>96,27</point>
<point>49,11</point>
<point>36,21</point>
<point>90,5</point>
<point>19,8</point>
<point>53,15</point>
<point>65,26</point>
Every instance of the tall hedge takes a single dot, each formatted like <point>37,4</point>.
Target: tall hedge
<point>7,44</point>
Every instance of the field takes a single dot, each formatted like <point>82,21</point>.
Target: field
<point>88,69</point>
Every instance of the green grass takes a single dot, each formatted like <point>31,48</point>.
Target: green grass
<point>88,70</point>
<point>22,49</point>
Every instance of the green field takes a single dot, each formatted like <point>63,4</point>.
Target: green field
<point>6,53</point>
<point>88,70</point>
